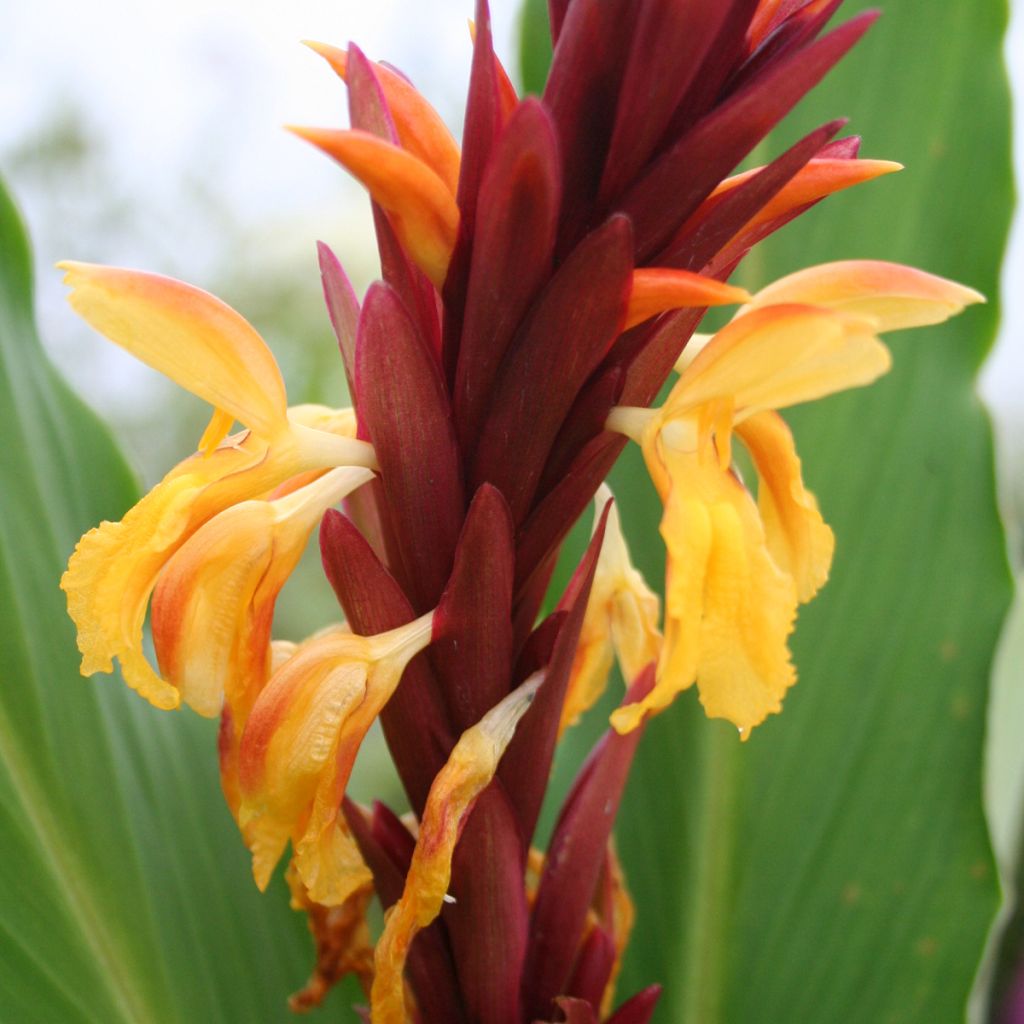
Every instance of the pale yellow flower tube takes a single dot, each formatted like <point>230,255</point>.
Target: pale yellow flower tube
<point>468,771</point>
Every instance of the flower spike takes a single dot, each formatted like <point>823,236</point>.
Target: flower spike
<point>537,288</point>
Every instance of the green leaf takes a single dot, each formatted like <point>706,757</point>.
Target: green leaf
<point>534,45</point>
<point>125,890</point>
<point>837,867</point>
<point>1004,807</point>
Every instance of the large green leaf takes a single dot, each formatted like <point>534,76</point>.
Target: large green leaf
<point>126,893</point>
<point>836,867</point>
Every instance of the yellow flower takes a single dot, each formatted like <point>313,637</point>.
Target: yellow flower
<point>298,747</point>
<point>469,769</point>
<point>621,617</point>
<point>214,600</point>
<point>738,569</point>
<point>207,348</point>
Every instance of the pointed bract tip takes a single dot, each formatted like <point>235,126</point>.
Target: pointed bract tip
<point>307,134</point>
<point>334,55</point>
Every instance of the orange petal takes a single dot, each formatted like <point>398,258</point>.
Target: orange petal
<point>816,180</point>
<point>468,771</point>
<point>420,128</point>
<point>657,289</point>
<point>214,602</point>
<point>298,748</point>
<point>762,21</point>
<point>421,207</point>
<point>799,540</point>
<point>892,295</point>
<point>779,356</point>
<point>188,335</point>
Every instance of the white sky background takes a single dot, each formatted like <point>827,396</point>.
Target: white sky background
<point>185,104</point>
<point>186,101</point>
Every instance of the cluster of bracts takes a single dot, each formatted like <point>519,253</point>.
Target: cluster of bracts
<point>538,288</point>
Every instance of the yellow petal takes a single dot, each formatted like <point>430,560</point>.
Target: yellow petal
<point>188,335</point>
<point>591,665</point>
<point>621,616</point>
<point>468,771</point>
<point>657,289</point>
<point>623,916</point>
<point>207,634</point>
<point>115,566</point>
<point>300,743</point>
<point>799,540</point>
<point>216,430</point>
<point>778,356</point>
<point>892,295</point>
<point>728,608</point>
<point>421,207</point>
<point>749,609</point>
<point>214,602</point>
<point>419,126</point>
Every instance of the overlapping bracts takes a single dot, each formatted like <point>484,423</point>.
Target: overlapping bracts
<point>538,288</point>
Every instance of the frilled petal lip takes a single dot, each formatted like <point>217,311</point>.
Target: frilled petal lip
<point>213,605</point>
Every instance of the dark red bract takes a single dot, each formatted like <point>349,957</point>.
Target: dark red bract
<point>486,403</point>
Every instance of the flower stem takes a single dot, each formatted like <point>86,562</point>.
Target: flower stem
<point>709,916</point>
